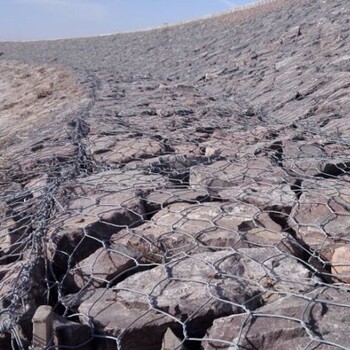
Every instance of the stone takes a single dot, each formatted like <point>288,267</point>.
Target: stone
<point>321,216</point>
<point>56,153</point>
<point>104,265</point>
<point>96,207</point>
<point>50,329</point>
<point>341,263</point>
<point>187,148</point>
<point>111,151</point>
<point>292,322</point>
<point>22,290</point>
<point>302,158</point>
<point>37,185</point>
<point>262,194</point>
<point>265,179</point>
<point>71,334</point>
<point>140,309</point>
<point>42,327</point>
<point>293,32</point>
<point>171,341</point>
<point>285,63</point>
<point>194,289</point>
<point>90,221</point>
<point>8,189</point>
<point>205,226</point>
<point>222,174</point>
<point>173,167</point>
<point>11,273</point>
<point>237,145</point>
<point>161,198</point>
<point>335,150</point>
<point>276,271</point>
<point>342,63</point>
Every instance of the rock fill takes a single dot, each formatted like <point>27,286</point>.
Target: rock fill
<point>179,188</point>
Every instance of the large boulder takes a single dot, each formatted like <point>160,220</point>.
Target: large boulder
<point>190,292</point>
<point>95,207</point>
<point>104,266</point>
<point>314,320</point>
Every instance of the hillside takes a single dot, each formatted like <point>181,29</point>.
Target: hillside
<point>179,188</point>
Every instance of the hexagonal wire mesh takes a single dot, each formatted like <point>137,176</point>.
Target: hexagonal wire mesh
<point>216,240</point>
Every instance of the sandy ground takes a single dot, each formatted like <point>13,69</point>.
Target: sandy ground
<point>31,96</point>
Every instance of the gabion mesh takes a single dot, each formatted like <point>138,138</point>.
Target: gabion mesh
<point>164,217</point>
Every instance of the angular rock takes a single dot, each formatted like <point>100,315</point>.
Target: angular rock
<point>341,263</point>
<point>22,290</point>
<point>140,309</point>
<point>237,145</point>
<point>171,341</point>
<point>87,223</point>
<point>104,265</point>
<point>17,225</point>
<point>96,207</point>
<point>293,322</point>
<point>191,228</point>
<point>275,271</point>
<point>291,34</point>
<point>335,150</point>
<point>37,185</point>
<point>302,158</point>
<point>285,63</point>
<point>222,174</point>
<point>42,327</point>
<point>321,217</point>
<point>194,289</point>
<point>161,198</point>
<point>50,329</point>
<point>342,63</point>
<point>174,167</point>
<point>71,334</point>
<point>187,148</point>
<point>312,158</point>
<point>110,150</point>
<point>262,195</point>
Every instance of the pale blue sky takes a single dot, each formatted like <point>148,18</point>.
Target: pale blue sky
<point>47,19</point>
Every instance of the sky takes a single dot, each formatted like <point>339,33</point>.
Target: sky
<point>51,19</point>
